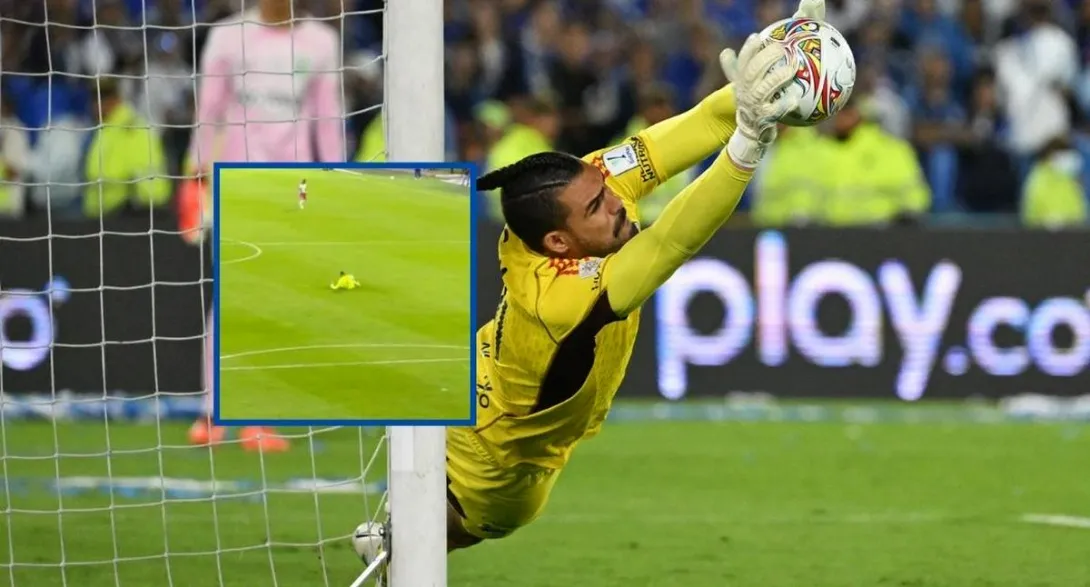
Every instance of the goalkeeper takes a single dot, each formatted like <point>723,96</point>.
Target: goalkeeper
<point>576,268</point>
<point>345,281</point>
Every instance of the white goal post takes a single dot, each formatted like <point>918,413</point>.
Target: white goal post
<point>414,132</point>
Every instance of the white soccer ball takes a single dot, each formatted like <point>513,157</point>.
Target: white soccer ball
<point>826,75</point>
<point>368,540</point>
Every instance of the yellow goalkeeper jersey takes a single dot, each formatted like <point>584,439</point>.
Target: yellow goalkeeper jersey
<point>554,355</point>
<point>551,360</point>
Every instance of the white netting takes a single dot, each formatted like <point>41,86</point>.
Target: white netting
<point>103,307</point>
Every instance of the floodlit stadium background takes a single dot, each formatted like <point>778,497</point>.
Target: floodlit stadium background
<point>823,399</point>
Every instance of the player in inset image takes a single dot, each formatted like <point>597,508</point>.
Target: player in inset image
<point>345,281</point>
<point>303,193</point>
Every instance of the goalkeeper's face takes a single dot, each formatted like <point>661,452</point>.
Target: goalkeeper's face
<point>597,223</point>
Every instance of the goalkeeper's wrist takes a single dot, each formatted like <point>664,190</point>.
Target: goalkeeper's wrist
<point>744,151</point>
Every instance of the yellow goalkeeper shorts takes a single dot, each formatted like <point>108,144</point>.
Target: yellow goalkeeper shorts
<point>493,501</point>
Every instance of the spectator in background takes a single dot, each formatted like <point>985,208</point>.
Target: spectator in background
<point>125,168</point>
<point>923,25</point>
<point>940,123</point>
<point>1036,71</point>
<point>669,22</point>
<point>785,193</point>
<point>493,119</point>
<point>868,177</point>
<point>890,109</point>
<point>847,15</point>
<point>14,159</point>
<point>493,59</point>
<point>1053,196</point>
<point>165,97</point>
<point>987,181</point>
<point>612,100</point>
<point>120,43</point>
<point>538,41</point>
<point>656,105</point>
<point>462,80</point>
<point>975,24</point>
<point>535,129</point>
<point>690,67</point>
<point>571,76</point>
<point>642,68</point>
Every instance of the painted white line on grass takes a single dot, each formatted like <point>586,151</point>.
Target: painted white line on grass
<point>343,364</point>
<point>360,243</point>
<point>1057,520</point>
<point>877,518</point>
<point>256,251</point>
<point>364,345</point>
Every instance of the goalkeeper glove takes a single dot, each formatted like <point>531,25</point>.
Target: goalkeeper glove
<point>759,72</point>
<point>814,9</point>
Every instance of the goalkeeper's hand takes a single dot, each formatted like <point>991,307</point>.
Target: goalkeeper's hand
<point>814,9</point>
<point>759,72</point>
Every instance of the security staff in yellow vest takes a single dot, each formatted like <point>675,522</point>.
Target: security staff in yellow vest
<point>867,176</point>
<point>14,157</point>
<point>534,129</point>
<point>124,166</point>
<point>1053,195</point>
<point>656,104</point>
<point>785,190</point>
<point>372,147</point>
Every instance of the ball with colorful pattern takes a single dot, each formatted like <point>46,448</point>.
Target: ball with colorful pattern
<point>826,75</point>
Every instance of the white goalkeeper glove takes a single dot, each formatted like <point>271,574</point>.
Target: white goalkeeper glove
<point>814,9</point>
<point>760,72</point>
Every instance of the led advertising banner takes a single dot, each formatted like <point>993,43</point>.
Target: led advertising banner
<point>905,313</point>
<point>93,306</point>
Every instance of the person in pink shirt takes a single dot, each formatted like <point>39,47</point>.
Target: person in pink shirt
<point>269,90</point>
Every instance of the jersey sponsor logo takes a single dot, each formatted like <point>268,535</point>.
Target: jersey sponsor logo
<point>619,160</point>
<point>643,159</point>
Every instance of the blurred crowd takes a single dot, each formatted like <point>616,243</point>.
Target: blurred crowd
<point>960,105</point>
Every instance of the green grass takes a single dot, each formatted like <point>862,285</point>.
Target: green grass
<point>292,349</point>
<point>136,528</point>
<point>662,504</point>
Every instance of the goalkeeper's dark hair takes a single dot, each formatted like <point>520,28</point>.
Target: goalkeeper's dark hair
<point>529,191</point>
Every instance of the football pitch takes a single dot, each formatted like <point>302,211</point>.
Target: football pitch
<point>896,499</point>
<point>292,348</point>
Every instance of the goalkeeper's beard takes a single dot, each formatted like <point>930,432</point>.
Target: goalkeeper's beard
<point>623,231</point>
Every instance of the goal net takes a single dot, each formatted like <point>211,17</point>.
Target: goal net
<point>105,311</point>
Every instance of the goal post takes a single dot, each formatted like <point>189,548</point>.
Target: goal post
<point>414,132</point>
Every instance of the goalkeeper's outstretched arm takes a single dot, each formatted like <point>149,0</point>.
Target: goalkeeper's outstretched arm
<point>690,220</point>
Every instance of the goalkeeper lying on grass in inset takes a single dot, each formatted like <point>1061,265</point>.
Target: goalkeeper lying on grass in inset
<point>576,268</point>
<point>345,281</point>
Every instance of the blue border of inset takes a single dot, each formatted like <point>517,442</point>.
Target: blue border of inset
<point>472,334</point>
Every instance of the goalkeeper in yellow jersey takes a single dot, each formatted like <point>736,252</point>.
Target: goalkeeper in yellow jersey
<point>345,281</point>
<point>576,268</point>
